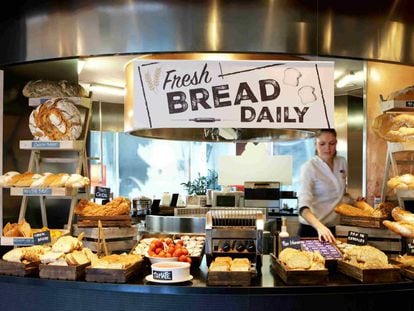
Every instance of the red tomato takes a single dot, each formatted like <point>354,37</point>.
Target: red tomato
<point>182,258</point>
<point>177,252</point>
<point>168,241</point>
<point>158,250</point>
<point>189,260</point>
<point>180,242</point>
<point>184,251</point>
<point>159,244</point>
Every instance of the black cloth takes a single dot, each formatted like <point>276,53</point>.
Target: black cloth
<point>306,231</point>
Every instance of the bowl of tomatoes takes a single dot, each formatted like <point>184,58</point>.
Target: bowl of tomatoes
<point>165,249</point>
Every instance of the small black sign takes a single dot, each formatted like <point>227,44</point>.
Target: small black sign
<point>410,247</point>
<point>162,275</point>
<point>292,242</point>
<point>409,103</point>
<point>102,193</point>
<point>357,238</point>
<point>41,237</point>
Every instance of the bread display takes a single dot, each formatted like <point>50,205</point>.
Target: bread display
<point>403,94</point>
<point>46,88</point>
<point>403,182</point>
<point>365,257</point>
<point>295,259</point>
<point>56,119</point>
<point>118,206</point>
<point>394,127</point>
<point>359,209</point>
<point>44,180</point>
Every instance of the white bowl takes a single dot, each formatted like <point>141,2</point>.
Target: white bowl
<point>173,271</point>
<point>162,259</point>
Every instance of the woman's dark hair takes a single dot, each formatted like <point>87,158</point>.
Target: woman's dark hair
<point>322,131</point>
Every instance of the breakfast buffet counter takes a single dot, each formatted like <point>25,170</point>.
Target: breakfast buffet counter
<point>265,291</point>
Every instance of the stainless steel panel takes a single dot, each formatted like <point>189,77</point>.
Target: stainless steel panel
<point>381,30</point>
<point>174,224</point>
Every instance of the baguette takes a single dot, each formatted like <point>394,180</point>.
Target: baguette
<point>405,229</point>
<point>364,206</point>
<point>349,210</point>
<point>400,214</point>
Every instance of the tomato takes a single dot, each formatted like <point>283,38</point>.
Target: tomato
<point>167,255</point>
<point>162,254</point>
<point>158,250</point>
<point>184,251</point>
<point>177,252</point>
<point>182,258</point>
<point>153,246</point>
<point>180,242</point>
<point>159,244</point>
<point>171,250</point>
<point>168,241</point>
<point>189,260</point>
<point>151,253</point>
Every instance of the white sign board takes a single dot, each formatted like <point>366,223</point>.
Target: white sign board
<point>230,94</point>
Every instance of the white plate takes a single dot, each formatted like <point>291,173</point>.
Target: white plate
<point>151,279</point>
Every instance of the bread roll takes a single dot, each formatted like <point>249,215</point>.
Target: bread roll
<point>405,229</point>
<point>403,94</point>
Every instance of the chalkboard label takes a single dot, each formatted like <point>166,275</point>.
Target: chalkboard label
<point>45,144</point>
<point>409,103</point>
<point>102,193</point>
<point>37,191</point>
<point>410,247</point>
<point>357,238</point>
<point>162,275</point>
<point>292,242</point>
<point>41,237</point>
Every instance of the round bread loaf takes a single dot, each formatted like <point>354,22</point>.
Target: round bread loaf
<point>56,119</point>
<point>45,88</point>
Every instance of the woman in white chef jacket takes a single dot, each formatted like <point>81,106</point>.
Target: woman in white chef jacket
<point>323,184</point>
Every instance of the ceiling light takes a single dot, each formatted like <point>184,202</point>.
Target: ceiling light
<point>350,79</point>
<point>107,89</point>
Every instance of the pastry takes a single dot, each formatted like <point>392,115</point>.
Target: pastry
<point>405,229</point>
<point>400,214</point>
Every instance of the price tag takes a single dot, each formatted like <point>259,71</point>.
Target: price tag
<point>102,193</point>
<point>326,249</point>
<point>292,242</point>
<point>41,237</point>
<point>45,144</point>
<point>410,247</point>
<point>357,238</point>
<point>162,275</point>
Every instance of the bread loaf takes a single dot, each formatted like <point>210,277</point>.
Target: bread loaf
<point>400,214</point>
<point>405,229</point>
<point>364,206</point>
<point>56,119</point>
<point>394,127</point>
<point>46,88</point>
<point>404,94</point>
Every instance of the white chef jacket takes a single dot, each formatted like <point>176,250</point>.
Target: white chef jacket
<point>322,189</point>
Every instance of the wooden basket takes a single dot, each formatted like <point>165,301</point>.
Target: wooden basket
<point>230,278</point>
<point>359,221</point>
<point>112,275</point>
<point>377,275</point>
<point>298,277</point>
<point>72,273</point>
<point>107,221</point>
<point>19,268</point>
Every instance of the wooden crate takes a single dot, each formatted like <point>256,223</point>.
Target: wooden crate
<point>359,221</point>
<point>117,238</point>
<point>107,221</point>
<point>112,275</point>
<point>381,238</point>
<point>18,268</point>
<point>72,273</point>
<point>298,277</point>
<point>380,275</point>
<point>230,278</point>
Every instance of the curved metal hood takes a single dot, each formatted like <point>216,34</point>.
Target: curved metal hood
<point>225,135</point>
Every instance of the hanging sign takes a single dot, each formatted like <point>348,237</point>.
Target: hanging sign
<point>229,94</point>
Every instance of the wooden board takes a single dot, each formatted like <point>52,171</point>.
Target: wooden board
<point>19,269</point>
<point>385,275</point>
<point>71,273</point>
<point>230,278</point>
<point>107,221</point>
<point>367,222</point>
<point>408,272</point>
<point>112,275</point>
<point>298,277</point>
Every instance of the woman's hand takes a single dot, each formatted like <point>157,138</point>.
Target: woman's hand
<point>324,234</point>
